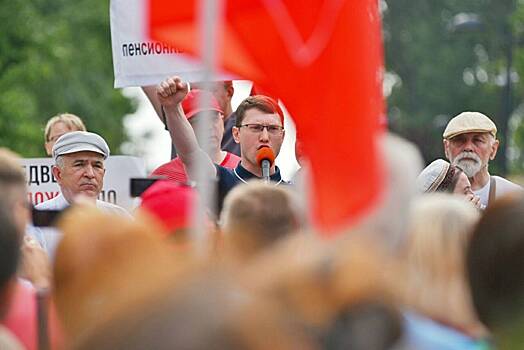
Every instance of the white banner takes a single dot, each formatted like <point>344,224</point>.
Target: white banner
<point>138,61</point>
<point>116,190</point>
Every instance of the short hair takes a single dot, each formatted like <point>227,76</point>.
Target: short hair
<point>72,121</point>
<point>438,235</point>
<point>495,265</point>
<point>10,242</point>
<point>59,161</point>
<point>12,176</point>
<point>95,273</point>
<point>257,214</point>
<point>263,103</point>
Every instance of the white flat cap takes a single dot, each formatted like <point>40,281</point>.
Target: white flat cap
<point>80,141</point>
<point>469,122</point>
<point>432,176</point>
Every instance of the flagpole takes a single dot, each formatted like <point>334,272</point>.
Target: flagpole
<point>210,17</point>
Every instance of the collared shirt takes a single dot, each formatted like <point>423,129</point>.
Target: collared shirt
<point>229,178</point>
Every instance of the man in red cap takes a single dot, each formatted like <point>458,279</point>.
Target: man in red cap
<point>213,120</point>
<point>223,92</point>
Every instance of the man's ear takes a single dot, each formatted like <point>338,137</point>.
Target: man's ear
<point>446,148</point>
<point>494,149</point>
<point>230,91</point>
<point>57,173</point>
<point>236,134</point>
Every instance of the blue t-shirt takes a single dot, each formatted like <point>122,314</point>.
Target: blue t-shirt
<point>229,178</point>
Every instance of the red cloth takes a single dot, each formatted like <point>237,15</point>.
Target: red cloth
<point>21,316</point>
<point>192,103</point>
<point>175,171</point>
<point>21,319</point>
<point>324,60</point>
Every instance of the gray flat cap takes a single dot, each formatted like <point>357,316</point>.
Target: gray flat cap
<point>80,141</point>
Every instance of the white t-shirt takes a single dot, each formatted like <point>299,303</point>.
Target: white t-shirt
<point>502,187</point>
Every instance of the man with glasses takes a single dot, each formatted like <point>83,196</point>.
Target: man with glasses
<point>259,124</point>
<point>210,117</point>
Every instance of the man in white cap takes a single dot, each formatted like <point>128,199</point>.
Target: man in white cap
<point>79,170</point>
<point>470,142</point>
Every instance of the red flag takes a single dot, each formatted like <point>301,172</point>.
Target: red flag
<point>324,60</point>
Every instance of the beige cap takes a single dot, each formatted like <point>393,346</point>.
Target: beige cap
<point>432,176</point>
<point>469,122</point>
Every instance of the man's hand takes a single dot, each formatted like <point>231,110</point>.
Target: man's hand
<point>171,92</point>
<point>35,265</point>
<point>474,199</point>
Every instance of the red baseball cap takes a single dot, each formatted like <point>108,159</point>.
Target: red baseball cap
<point>171,203</point>
<point>191,104</point>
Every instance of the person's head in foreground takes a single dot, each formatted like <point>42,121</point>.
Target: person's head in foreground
<point>13,188</point>
<point>104,262</point>
<point>435,285</point>
<point>256,215</point>
<point>172,205</point>
<point>206,311</point>
<point>495,268</point>
<point>10,244</point>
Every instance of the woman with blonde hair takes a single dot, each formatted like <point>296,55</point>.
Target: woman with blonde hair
<point>439,311</point>
<point>58,125</point>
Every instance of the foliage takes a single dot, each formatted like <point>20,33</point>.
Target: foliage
<point>444,69</point>
<point>55,56</point>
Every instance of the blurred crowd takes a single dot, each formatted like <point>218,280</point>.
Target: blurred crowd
<point>436,264</point>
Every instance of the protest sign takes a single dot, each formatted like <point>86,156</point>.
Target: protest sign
<point>139,61</point>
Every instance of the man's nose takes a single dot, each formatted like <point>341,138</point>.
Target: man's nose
<point>89,171</point>
<point>468,146</point>
<point>264,135</point>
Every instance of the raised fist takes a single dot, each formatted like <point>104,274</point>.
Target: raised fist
<point>172,91</point>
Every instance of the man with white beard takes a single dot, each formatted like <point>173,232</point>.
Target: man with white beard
<point>470,143</point>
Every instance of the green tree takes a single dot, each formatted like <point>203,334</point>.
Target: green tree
<point>444,68</point>
<point>55,56</point>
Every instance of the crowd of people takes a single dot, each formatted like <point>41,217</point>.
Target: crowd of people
<point>422,270</point>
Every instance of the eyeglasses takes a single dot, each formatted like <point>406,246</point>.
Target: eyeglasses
<point>258,128</point>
